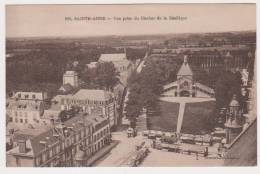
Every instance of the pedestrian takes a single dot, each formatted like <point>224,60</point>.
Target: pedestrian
<point>197,156</point>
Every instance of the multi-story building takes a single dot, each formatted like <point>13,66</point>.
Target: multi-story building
<point>68,144</point>
<point>101,132</point>
<point>25,113</point>
<point>89,100</point>
<point>119,60</point>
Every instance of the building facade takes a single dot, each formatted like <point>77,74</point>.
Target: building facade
<point>90,100</point>
<point>119,60</point>
<point>65,145</point>
<point>186,86</point>
<point>25,113</point>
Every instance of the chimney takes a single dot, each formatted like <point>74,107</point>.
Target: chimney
<point>22,146</point>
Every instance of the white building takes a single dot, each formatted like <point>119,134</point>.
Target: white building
<point>25,114</point>
<point>90,101</point>
<point>185,86</point>
<point>118,59</point>
<point>71,77</point>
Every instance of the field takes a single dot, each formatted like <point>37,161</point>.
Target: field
<point>165,119</point>
<point>197,117</point>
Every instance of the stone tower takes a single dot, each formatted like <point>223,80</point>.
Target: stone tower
<point>71,77</point>
<point>233,123</point>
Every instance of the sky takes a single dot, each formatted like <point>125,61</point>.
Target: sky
<point>49,20</point>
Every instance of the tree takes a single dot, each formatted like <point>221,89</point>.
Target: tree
<point>107,75</point>
<point>227,85</point>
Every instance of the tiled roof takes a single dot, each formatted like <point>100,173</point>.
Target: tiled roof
<point>73,122</point>
<point>34,142</point>
<point>112,57</point>
<point>93,94</point>
<point>204,87</point>
<point>185,70</point>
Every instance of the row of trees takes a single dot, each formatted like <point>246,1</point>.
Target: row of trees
<point>104,76</point>
<point>45,61</point>
<point>227,85</point>
<point>146,86</point>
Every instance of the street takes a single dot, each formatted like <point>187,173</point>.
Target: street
<point>122,153</point>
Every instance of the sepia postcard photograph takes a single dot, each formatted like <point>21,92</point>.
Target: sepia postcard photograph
<point>130,85</point>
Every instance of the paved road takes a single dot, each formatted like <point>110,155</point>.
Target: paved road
<point>121,154</point>
<point>159,158</point>
<point>180,116</point>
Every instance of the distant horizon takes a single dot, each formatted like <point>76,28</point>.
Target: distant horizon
<point>111,35</point>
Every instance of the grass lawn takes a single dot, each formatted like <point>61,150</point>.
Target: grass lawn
<point>198,117</point>
<point>165,118</point>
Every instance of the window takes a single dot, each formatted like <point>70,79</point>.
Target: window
<point>11,119</point>
<point>74,138</point>
<point>33,96</point>
<point>79,135</point>
<point>86,131</point>
<point>50,153</point>
<point>25,120</point>
<point>58,148</point>
<point>21,120</point>
<point>16,114</point>
<point>83,133</point>
<point>19,95</point>
<point>54,150</point>
<point>16,120</point>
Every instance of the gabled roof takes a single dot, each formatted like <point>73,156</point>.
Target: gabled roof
<point>34,143</point>
<point>93,94</point>
<point>112,57</point>
<point>185,69</point>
